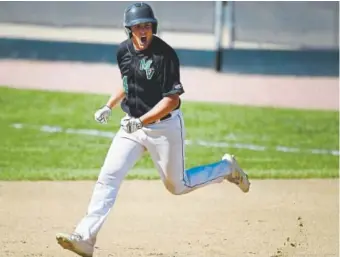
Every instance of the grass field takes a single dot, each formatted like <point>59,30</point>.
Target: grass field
<point>269,143</point>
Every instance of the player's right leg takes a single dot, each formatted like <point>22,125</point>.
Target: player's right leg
<point>165,142</point>
<point>124,152</point>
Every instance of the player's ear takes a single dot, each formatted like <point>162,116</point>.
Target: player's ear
<point>128,32</point>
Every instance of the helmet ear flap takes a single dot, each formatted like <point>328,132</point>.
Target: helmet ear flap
<point>154,28</point>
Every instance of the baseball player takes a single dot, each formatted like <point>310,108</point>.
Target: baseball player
<point>150,98</point>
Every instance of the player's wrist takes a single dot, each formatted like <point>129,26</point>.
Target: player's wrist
<point>142,120</point>
<point>140,124</point>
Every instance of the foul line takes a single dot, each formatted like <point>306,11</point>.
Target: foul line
<point>252,147</point>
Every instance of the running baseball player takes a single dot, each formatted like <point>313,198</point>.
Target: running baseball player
<point>150,98</point>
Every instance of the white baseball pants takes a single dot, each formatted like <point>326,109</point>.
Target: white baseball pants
<point>165,143</point>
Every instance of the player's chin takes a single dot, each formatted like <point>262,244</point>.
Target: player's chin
<point>143,46</point>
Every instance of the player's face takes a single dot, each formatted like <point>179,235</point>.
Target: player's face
<point>142,35</point>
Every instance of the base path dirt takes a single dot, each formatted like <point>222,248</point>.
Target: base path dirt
<point>276,218</point>
<point>199,84</point>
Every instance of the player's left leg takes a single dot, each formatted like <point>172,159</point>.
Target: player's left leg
<point>125,150</point>
<point>165,142</point>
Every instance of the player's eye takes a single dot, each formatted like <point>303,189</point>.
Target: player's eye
<point>147,26</point>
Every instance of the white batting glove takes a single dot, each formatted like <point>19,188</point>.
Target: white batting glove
<point>102,115</point>
<point>131,125</point>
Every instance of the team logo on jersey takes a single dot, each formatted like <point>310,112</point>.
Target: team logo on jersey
<point>125,84</point>
<point>146,65</point>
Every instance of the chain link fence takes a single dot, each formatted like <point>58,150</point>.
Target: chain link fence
<point>197,17</point>
<point>297,24</point>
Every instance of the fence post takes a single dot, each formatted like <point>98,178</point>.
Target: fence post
<point>231,23</point>
<point>218,34</point>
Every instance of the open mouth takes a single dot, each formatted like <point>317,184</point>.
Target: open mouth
<point>143,39</point>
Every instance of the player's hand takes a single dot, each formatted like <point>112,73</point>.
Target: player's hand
<point>131,125</point>
<point>102,115</point>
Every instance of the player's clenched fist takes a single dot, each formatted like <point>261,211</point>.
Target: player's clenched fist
<point>131,125</point>
<point>102,115</point>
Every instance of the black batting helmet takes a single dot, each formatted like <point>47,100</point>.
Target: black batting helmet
<point>139,13</point>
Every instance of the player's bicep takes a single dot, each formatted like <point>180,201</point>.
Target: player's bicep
<point>172,80</point>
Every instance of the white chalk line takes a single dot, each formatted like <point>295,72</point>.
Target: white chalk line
<point>237,145</point>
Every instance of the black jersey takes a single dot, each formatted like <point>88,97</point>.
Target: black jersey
<point>148,75</point>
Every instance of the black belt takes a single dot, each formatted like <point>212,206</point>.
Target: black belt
<point>164,118</point>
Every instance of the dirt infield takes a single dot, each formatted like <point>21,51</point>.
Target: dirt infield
<point>199,84</point>
<point>277,218</point>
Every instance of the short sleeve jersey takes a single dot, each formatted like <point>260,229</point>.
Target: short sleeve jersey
<point>148,75</point>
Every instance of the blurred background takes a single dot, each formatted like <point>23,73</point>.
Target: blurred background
<point>300,38</point>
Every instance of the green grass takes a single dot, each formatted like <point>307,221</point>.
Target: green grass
<point>30,154</point>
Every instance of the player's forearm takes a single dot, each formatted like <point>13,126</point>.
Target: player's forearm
<point>166,105</point>
<point>116,98</point>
